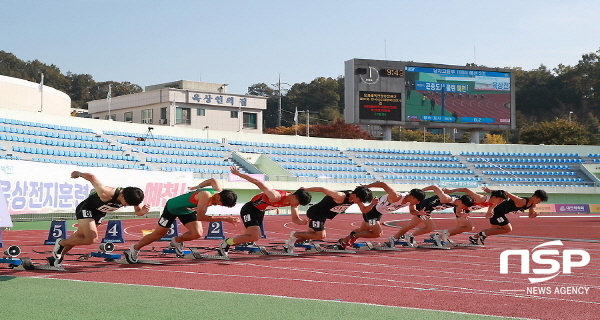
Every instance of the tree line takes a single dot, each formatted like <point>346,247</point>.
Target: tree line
<point>558,106</point>
<point>81,88</point>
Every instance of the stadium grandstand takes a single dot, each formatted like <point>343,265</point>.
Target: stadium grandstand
<point>162,155</point>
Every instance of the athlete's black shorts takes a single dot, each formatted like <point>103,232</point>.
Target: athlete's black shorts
<point>316,218</point>
<point>251,216</point>
<point>166,218</point>
<point>499,220</point>
<point>82,213</point>
<point>372,216</point>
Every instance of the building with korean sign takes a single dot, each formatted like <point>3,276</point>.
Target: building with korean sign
<point>197,105</point>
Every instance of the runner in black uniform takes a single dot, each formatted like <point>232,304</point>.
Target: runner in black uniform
<point>92,210</point>
<point>438,202</point>
<point>333,203</point>
<point>514,204</point>
<point>389,202</point>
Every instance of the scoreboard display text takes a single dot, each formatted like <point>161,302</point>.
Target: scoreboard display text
<point>380,105</point>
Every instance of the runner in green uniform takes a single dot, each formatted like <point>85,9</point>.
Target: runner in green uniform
<point>190,209</point>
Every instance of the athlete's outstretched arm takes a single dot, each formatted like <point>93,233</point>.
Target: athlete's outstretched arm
<point>212,182</point>
<point>105,193</point>
<point>479,198</point>
<point>336,195</point>
<point>393,196</point>
<point>444,198</point>
<point>270,193</point>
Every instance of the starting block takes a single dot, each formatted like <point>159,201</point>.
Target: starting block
<point>252,249</point>
<point>140,261</point>
<point>431,244</point>
<point>10,256</point>
<point>195,254</point>
<point>368,245</point>
<point>466,245</point>
<point>28,264</point>
<point>105,253</point>
<point>315,247</point>
<point>166,251</point>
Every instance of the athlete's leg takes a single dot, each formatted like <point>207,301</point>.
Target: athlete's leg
<point>363,227</point>
<point>316,231</point>
<point>87,233</point>
<point>414,221</point>
<point>429,227</point>
<point>155,235</point>
<point>194,232</point>
<point>494,230</point>
<point>463,224</point>
<point>370,231</point>
<point>251,234</point>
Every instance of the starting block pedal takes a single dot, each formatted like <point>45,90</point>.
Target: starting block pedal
<point>386,247</point>
<point>105,253</point>
<point>166,251</point>
<point>315,247</point>
<point>367,245</point>
<point>252,249</point>
<point>27,264</point>
<point>195,254</point>
<point>99,254</point>
<point>431,244</point>
<point>140,261</point>
<point>466,245</point>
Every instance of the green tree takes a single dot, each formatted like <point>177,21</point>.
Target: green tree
<point>338,130</point>
<point>403,134</point>
<point>270,115</point>
<point>557,132</point>
<point>318,95</point>
<point>494,139</point>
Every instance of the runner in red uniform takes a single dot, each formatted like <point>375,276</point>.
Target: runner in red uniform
<point>253,212</point>
<point>463,220</point>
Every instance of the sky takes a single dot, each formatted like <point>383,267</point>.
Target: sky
<point>242,43</point>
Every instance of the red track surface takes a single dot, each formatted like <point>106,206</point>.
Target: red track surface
<point>461,279</point>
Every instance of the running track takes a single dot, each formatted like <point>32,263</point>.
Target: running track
<point>460,280</point>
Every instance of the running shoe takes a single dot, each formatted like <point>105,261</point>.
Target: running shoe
<point>438,239</point>
<point>223,248</point>
<point>292,238</point>
<point>343,243</point>
<point>392,242</point>
<point>474,241</point>
<point>57,250</point>
<point>352,241</point>
<point>131,255</point>
<point>410,239</point>
<point>445,234</point>
<point>288,246</point>
<point>178,246</point>
<point>482,238</point>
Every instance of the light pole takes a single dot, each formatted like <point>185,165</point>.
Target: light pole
<point>308,120</point>
<point>278,85</point>
<point>570,113</point>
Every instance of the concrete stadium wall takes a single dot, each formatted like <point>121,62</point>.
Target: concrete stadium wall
<point>18,94</point>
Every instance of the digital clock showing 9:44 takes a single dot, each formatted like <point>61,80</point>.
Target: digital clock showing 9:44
<point>391,73</point>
